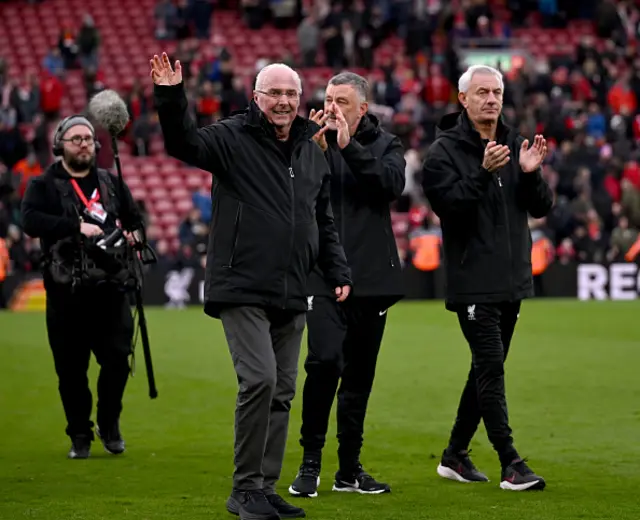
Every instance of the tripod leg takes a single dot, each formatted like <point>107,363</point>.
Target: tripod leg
<point>153,392</point>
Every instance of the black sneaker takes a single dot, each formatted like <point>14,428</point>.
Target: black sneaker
<point>307,480</point>
<point>111,439</point>
<point>284,509</point>
<point>359,481</point>
<point>458,467</point>
<point>251,505</point>
<point>517,476</point>
<point>80,447</point>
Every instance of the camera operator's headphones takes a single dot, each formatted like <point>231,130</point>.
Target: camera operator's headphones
<point>62,128</point>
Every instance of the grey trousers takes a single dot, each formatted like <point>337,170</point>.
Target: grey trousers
<point>265,348</point>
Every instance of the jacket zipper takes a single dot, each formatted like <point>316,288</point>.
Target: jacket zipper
<point>293,228</point>
<point>293,216</point>
<point>506,221</point>
<point>236,235</point>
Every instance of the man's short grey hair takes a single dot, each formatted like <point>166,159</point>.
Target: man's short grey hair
<point>277,66</point>
<point>465,80</point>
<point>360,84</point>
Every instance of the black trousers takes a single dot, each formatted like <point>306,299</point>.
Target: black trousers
<point>99,321</point>
<point>488,328</point>
<point>343,345</point>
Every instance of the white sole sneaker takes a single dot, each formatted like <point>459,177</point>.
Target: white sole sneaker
<point>294,492</point>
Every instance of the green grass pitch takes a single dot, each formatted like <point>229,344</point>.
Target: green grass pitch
<point>572,385</point>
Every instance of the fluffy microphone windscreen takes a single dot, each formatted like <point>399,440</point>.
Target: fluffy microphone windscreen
<point>109,111</point>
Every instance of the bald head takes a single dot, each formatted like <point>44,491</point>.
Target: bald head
<point>277,93</point>
<point>277,72</point>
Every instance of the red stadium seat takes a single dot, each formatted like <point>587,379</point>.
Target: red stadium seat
<point>139,194</point>
<point>169,219</point>
<point>162,206</point>
<point>158,193</point>
<point>133,181</point>
<point>183,206</point>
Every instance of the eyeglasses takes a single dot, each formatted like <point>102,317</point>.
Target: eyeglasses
<point>276,94</point>
<point>79,139</point>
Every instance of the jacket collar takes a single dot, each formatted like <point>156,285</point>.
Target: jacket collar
<point>459,124</point>
<point>367,131</point>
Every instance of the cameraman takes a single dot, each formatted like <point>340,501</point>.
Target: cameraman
<point>69,208</point>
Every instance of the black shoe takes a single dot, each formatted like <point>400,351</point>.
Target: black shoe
<point>458,467</point>
<point>307,480</point>
<point>284,509</point>
<point>359,481</point>
<point>80,447</point>
<point>111,439</point>
<point>251,505</point>
<point>517,476</point>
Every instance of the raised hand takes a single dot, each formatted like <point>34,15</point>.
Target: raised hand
<point>162,73</point>
<point>344,138</point>
<point>495,156</point>
<point>531,158</point>
<point>319,118</point>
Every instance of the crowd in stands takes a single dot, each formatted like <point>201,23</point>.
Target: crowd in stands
<point>584,101</point>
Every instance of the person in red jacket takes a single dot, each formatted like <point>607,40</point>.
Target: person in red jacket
<point>51,92</point>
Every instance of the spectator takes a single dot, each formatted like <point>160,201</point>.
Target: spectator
<point>182,20</point>
<point>334,45</point>
<point>202,202</point>
<point>283,13</point>
<point>68,47</point>
<point>24,170</point>
<point>144,128</point>
<point>13,147</point>
<point>622,238</point>
<point>308,41</point>
<point>53,62</point>
<point>202,14</point>
<point>88,43</point>
<point>191,228</point>
<point>234,99</point>
<point>254,14</point>
<point>137,103</point>
<point>166,16</point>
<point>25,98</point>
<point>51,92</point>
<point>93,82</point>
<point>208,105</point>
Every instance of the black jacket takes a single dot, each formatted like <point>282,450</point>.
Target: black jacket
<point>366,176</point>
<point>272,218</point>
<point>46,216</point>
<point>487,243</point>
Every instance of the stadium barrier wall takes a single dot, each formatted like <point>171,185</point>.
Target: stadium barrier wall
<point>181,287</point>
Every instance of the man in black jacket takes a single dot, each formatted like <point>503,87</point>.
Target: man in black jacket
<point>482,179</point>
<point>367,174</point>
<point>272,222</point>
<point>74,199</point>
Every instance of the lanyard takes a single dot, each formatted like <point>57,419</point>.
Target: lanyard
<point>88,203</point>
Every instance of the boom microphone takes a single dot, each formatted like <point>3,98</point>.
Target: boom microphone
<point>109,111</point>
